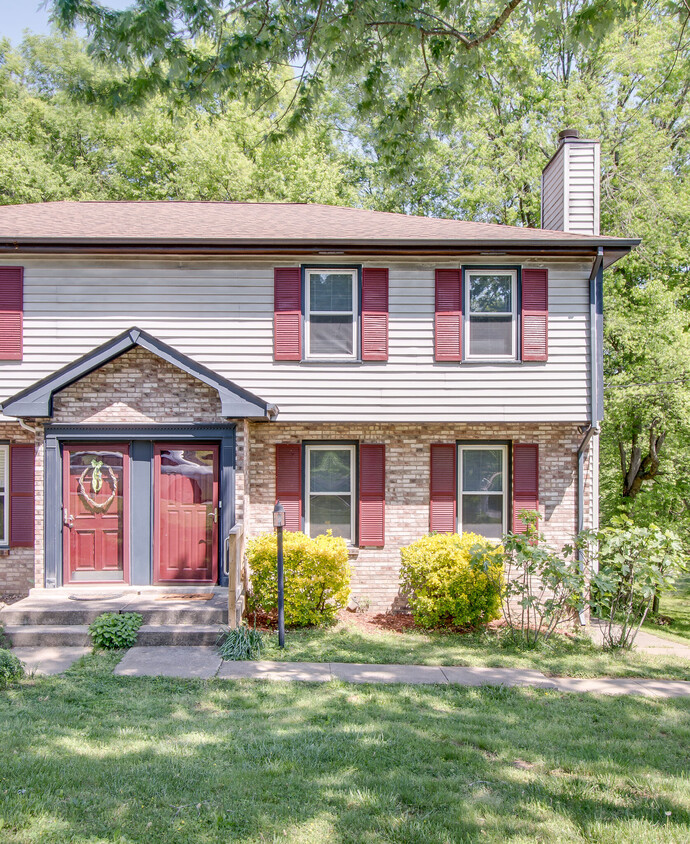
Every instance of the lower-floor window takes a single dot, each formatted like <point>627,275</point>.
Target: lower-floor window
<point>4,493</point>
<point>482,484</point>
<point>330,486</point>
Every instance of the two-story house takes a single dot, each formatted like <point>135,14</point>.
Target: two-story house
<point>169,369</point>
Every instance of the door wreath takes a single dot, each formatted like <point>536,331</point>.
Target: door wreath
<point>96,485</point>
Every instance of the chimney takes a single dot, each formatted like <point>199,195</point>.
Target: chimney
<point>570,186</point>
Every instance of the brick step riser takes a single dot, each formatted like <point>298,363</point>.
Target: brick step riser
<point>25,637</point>
<point>80,617</point>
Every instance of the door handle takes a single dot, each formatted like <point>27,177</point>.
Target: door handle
<point>214,515</point>
<point>68,519</point>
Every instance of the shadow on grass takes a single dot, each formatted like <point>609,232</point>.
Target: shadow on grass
<point>89,756</point>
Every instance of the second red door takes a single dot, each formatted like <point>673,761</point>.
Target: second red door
<point>186,513</point>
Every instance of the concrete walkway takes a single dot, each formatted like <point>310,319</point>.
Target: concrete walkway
<point>204,662</point>
<point>647,642</point>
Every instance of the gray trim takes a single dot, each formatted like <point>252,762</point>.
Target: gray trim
<point>141,439</point>
<point>37,400</point>
<point>596,329</point>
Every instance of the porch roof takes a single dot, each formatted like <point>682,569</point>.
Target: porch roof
<point>37,401</point>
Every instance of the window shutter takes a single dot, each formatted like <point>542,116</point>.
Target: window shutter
<point>11,312</point>
<point>525,482</point>
<point>372,494</point>
<point>374,314</point>
<point>535,314</point>
<point>448,317</point>
<point>289,483</point>
<point>443,489</point>
<point>22,496</point>
<point>287,313</point>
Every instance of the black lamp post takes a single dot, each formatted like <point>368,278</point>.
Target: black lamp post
<point>279,524</point>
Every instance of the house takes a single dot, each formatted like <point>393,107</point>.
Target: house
<point>170,369</point>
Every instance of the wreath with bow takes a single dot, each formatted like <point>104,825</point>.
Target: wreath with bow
<point>96,486</point>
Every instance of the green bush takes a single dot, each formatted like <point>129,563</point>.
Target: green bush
<point>239,643</point>
<point>11,669</point>
<point>452,580</point>
<point>112,630</point>
<point>317,576</point>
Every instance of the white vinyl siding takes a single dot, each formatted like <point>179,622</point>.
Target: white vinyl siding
<point>5,494</point>
<point>570,189</point>
<point>220,312</point>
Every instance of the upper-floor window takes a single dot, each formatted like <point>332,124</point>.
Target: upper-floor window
<point>331,314</point>
<point>491,314</point>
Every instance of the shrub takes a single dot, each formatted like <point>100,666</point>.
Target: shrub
<point>112,631</point>
<point>452,580</point>
<point>635,565</point>
<point>11,669</point>
<point>239,643</point>
<point>317,576</point>
<point>543,587</point>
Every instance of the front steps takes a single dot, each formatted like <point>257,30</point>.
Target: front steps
<point>53,618</point>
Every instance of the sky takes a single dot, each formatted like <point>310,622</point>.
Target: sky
<point>18,15</point>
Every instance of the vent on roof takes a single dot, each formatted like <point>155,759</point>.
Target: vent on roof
<point>570,186</point>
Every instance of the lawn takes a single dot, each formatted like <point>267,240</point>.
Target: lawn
<point>353,640</point>
<point>89,757</point>
<point>676,607</point>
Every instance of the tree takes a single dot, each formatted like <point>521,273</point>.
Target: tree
<point>53,145</point>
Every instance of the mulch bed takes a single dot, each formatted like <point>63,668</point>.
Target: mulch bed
<point>10,597</point>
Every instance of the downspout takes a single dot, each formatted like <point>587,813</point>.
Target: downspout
<point>596,331</point>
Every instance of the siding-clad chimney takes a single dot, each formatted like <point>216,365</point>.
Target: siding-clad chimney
<point>570,186</point>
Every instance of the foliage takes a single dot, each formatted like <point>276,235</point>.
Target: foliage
<point>543,587</point>
<point>112,630</point>
<point>316,571</point>
<point>11,669</point>
<point>452,580</point>
<point>635,564</point>
<point>240,643</point>
<point>54,145</point>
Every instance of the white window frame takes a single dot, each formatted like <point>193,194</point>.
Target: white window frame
<point>354,274</point>
<point>486,446</point>
<point>307,484</point>
<point>5,538</point>
<point>479,271</point>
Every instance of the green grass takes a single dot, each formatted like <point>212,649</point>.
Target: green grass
<point>92,758</point>
<point>677,607</point>
<point>347,642</point>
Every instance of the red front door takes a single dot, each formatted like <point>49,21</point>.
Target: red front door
<point>186,513</point>
<point>95,513</point>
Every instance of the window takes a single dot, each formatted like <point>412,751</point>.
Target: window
<point>4,494</point>
<point>490,305</point>
<point>330,483</point>
<point>331,309</point>
<point>482,500</point>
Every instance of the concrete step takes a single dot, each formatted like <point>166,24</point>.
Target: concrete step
<point>65,616</point>
<point>77,635</point>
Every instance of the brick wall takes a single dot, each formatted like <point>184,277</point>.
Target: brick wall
<point>375,570</point>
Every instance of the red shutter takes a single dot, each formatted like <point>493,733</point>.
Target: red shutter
<point>525,482</point>
<point>287,313</point>
<point>443,489</point>
<point>289,484</point>
<point>374,314</point>
<point>11,312</point>
<point>535,314</point>
<point>22,496</point>
<point>372,494</point>
<point>448,317</point>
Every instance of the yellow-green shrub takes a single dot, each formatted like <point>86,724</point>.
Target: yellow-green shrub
<point>444,578</point>
<point>317,576</point>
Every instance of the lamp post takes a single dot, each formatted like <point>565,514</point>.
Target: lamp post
<point>279,524</point>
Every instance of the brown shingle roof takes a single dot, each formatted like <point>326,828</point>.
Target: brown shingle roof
<point>237,223</point>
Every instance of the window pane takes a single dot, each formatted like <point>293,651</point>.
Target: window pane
<point>482,470</point>
<point>3,468</point>
<point>490,294</point>
<point>330,335</point>
<point>483,514</point>
<point>329,470</point>
<point>330,292</point>
<point>330,512</point>
<point>3,538</point>
<point>491,336</point>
